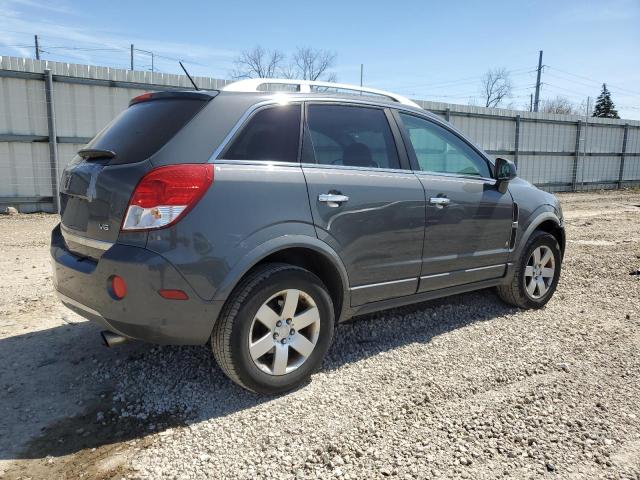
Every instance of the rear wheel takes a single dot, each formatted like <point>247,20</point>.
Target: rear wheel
<point>275,329</point>
<point>537,273</point>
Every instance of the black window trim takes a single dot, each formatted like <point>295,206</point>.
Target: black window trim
<point>415,166</point>
<point>403,159</point>
<point>242,124</point>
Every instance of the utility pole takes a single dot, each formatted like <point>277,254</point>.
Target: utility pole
<point>531,102</point>
<point>584,141</point>
<point>361,72</point>
<point>588,106</point>
<point>151,62</point>
<point>537,100</point>
<point>37,48</point>
<point>132,56</point>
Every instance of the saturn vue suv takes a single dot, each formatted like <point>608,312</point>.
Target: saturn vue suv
<point>256,218</point>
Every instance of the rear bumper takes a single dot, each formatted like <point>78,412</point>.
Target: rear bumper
<point>82,286</point>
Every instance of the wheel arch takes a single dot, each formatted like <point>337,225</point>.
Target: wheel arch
<point>306,252</point>
<point>545,221</point>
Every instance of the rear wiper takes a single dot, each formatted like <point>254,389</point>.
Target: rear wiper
<point>92,153</point>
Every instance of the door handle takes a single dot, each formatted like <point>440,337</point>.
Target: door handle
<point>439,202</point>
<point>332,200</point>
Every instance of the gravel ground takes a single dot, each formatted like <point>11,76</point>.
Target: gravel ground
<point>463,387</point>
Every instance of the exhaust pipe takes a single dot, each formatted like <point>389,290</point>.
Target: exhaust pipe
<point>111,339</point>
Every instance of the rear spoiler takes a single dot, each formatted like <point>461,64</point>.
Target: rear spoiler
<point>185,94</point>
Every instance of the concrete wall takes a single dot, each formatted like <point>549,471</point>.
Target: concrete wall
<point>556,152</point>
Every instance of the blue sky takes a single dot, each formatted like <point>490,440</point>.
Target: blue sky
<point>428,50</point>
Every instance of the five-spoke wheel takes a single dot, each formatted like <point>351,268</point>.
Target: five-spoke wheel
<point>284,332</point>
<point>275,329</point>
<point>540,271</point>
<point>536,273</point>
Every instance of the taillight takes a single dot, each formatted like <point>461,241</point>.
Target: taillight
<point>166,194</point>
<point>141,98</point>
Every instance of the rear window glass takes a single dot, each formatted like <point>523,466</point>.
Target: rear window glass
<point>143,128</point>
<point>271,134</point>
<point>351,136</point>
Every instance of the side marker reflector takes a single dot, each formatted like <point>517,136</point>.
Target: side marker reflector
<point>173,294</point>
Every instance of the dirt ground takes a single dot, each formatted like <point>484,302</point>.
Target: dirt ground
<point>61,391</point>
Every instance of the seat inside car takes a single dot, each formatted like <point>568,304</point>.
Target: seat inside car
<point>358,155</point>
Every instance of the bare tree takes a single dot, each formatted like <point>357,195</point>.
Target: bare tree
<point>311,64</point>
<point>258,63</point>
<point>496,86</point>
<point>558,105</point>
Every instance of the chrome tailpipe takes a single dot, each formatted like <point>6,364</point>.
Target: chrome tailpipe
<point>111,339</point>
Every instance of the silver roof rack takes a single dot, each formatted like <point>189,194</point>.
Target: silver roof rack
<point>305,86</point>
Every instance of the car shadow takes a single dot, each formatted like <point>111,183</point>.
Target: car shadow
<point>105,396</point>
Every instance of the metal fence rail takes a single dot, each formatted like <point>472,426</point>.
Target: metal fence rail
<point>48,110</point>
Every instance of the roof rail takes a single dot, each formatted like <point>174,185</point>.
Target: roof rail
<point>304,86</point>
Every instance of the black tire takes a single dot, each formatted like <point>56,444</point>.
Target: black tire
<point>229,339</point>
<point>515,292</point>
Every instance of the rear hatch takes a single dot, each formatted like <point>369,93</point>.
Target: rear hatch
<point>96,186</point>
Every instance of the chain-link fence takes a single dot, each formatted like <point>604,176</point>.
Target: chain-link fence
<point>48,110</point>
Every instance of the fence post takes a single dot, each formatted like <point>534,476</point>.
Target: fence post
<point>516,145</point>
<point>53,138</point>
<point>574,175</point>
<point>624,150</point>
<point>447,114</point>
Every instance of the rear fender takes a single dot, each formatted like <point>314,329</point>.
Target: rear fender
<point>277,244</point>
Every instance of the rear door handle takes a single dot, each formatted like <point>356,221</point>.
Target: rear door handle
<point>333,200</point>
<point>439,202</point>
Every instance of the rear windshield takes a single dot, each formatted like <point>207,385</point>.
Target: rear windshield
<point>143,128</point>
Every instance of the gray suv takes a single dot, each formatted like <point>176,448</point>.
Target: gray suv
<point>258,217</point>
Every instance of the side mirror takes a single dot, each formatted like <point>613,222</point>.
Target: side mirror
<point>505,172</point>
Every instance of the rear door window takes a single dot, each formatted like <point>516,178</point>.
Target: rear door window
<point>350,136</point>
<point>143,128</point>
<point>271,134</point>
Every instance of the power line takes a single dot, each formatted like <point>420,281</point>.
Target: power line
<point>593,81</point>
<point>465,80</point>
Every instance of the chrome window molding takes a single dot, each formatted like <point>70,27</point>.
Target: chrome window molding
<point>456,175</point>
<point>282,98</point>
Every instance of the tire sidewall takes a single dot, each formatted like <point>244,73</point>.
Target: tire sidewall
<point>247,370</point>
<point>540,239</point>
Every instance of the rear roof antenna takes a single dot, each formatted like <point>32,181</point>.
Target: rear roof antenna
<point>188,76</point>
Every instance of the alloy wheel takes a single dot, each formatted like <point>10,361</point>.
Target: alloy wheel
<point>539,272</point>
<point>284,332</point>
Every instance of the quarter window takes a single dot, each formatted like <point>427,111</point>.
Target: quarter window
<point>439,150</point>
<point>271,134</point>
<point>348,135</point>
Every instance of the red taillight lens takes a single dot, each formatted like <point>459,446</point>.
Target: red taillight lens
<point>118,287</point>
<point>166,194</point>
<point>141,98</point>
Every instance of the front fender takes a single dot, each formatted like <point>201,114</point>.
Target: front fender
<point>540,215</point>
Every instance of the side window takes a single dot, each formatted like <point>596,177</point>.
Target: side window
<point>439,150</point>
<point>271,134</point>
<point>346,135</point>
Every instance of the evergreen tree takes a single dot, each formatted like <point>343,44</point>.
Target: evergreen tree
<point>604,105</point>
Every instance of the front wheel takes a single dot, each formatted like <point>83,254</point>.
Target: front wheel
<point>275,329</point>
<point>537,273</point>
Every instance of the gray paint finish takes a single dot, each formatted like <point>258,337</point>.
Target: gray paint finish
<point>378,232</point>
<point>472,231</point>
<point>387,243</point>
<point>247,205</point>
